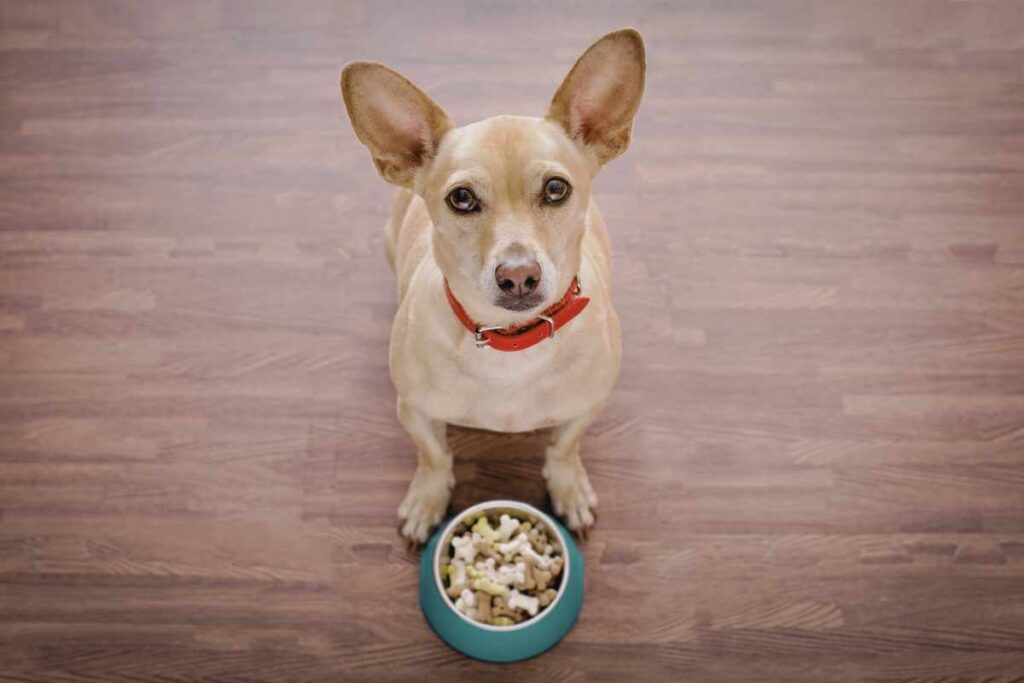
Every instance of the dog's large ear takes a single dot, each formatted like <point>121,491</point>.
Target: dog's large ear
<point>397,121</point>
<point>597,101</point>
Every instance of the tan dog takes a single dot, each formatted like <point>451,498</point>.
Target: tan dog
<point>501,210</point>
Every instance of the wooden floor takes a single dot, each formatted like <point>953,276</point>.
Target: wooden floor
<point>812,468</point>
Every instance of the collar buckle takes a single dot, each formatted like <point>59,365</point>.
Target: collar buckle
<point>481,340</point>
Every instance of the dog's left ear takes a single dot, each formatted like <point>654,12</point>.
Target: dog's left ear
<point>400,125</point>
<point>597,101</point>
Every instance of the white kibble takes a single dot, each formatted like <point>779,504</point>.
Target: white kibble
<point>541,561</point>
<point>486,566</point>
<point>513,547</point>
<point>466,603</point>
<point>464,549</point>
<point>518,600</point>
<point>509,575</point>
<point>507,527</point>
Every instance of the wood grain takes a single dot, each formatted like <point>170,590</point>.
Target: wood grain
<point>812,468</point>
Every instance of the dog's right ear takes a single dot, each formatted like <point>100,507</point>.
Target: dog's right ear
<point>597,101</point>
<point>397,121</point>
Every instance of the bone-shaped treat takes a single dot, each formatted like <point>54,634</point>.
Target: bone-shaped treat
<point>525,602</point>
<point>507,527</point>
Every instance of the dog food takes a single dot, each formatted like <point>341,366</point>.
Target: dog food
<point>501,570</point>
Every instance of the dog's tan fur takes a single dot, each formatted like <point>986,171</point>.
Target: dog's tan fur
<point>439,373</point>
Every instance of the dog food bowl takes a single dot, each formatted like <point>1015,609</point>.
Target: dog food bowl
<point>501,643</point>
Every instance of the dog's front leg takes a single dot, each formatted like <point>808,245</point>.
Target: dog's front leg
<point>431,486</point>
<point>571,493</point>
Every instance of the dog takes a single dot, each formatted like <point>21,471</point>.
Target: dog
<point>505,320</point>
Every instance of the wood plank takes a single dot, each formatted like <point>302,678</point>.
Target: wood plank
<point>812,468</point>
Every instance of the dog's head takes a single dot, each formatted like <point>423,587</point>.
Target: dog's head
<point>508,195</point>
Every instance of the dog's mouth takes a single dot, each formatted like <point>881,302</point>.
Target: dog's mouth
<point>519,303</point>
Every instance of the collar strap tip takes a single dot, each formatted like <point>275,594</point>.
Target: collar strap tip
<point>551,325</point>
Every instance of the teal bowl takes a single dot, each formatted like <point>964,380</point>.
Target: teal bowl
<point>501,643</point>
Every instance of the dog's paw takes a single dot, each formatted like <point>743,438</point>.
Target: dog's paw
<point>425,503</point>
<point>571,493</point>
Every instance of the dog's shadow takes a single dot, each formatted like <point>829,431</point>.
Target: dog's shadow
<point>490,465</point>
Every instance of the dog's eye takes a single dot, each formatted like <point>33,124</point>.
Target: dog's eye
<point>556,190</point>
<point>462,200</point>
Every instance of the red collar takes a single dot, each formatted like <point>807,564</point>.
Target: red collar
<point>523,335</point>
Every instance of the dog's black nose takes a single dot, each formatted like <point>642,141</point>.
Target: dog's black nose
<point>519,279</point>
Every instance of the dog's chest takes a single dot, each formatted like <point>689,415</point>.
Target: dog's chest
<point>516,392</point>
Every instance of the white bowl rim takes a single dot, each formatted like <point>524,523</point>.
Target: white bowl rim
<point>516,505</point>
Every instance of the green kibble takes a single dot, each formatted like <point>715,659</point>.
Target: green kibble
<point>483,527</point>
<point>488,586</point>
